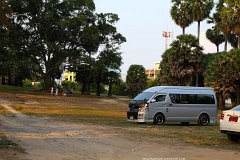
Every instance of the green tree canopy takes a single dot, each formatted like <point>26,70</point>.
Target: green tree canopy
<point>199,10</point>
<point>215,36</point>
<point>56,30</point>
<point>223,72</point>
<point>136,79</point>
<point>179,13</point>
<point>230,13</point>
<point>182,63</point>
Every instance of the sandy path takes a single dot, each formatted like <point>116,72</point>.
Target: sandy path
<point>49,140</point>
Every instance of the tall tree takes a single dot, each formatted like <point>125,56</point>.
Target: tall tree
<point>230,13</point>
<point>56,31</point>
<point>107,41</point>
<point>182,63</point>
<point>221,22</point>
<point>136,79</point>
<point>179,13</point>
<point>109,59</point>
<point>224,70</point>
<point>199,10</point>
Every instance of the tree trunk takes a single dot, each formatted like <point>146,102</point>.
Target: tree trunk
<point>88,88</point>
<point>238,41</point>
<point>110,89</point>
<point>3,80</point>
<point>217,48</point>
<point>183,30</point>
<point>197,80</point>
<point>84,88</point>
<point>221,101</point>
<point>199,25</point>
<point>225,45</point>
<point>238,93</point>
<point>47,82</point>
<point>98,91</point>
<point>9,80</point>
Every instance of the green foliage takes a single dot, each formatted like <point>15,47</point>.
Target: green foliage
<point>179,13</point>
<point>223,73</point>
<point>182,62</point>
<point>101,89</point>
<point>71,86</point>
<point>136,79</point>
<point>153,83</point>
<point>230,12</point>
<point>215,36</point>
<point>27,83</point>
<point>233,39</point>
<point>199,10</point>
<point>100,67</point>
<point>120,89</point>
<point>40,35</point>
<point>227,18</point>
<point>56,30</point>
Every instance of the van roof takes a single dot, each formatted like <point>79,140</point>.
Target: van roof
<point>159,88</point>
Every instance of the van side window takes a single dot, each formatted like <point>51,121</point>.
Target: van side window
<point>175,98</point>
<point>160,98</point>
<point>205,99</point>
<point>192,98</point>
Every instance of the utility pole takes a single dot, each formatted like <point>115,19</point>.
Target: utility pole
<point>166,35</point>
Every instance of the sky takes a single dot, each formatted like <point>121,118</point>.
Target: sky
<point>142,23</point>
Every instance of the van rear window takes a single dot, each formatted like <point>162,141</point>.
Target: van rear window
<point>192,98</point>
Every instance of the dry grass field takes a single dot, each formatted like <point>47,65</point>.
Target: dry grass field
<point>112,111</point>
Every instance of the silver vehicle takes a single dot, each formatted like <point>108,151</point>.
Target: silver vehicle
<point>174,104</point>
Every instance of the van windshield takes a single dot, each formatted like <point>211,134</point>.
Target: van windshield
<point>144,96</point>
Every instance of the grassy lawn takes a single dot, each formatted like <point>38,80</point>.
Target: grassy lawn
<point>112,112</point>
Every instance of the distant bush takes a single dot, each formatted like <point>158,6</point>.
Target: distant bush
<point>120,89</point>
<point>27,83</point>
<point>153,83</point>
<point>93,89</point>
<point>71,86</point>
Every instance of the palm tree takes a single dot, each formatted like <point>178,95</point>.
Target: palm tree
<point>230,12</point>
<point>215,36</point>
<point>179,14</point>
<point>199,10</point>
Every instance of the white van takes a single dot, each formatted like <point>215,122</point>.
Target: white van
<point>174,104</point>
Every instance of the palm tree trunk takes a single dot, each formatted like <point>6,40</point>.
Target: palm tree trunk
<point>183,30</point>
<point>197,80</point>
<point>217,48</point>
<point>238,92</point>
<point>199,25</point>
<point>238,41</point>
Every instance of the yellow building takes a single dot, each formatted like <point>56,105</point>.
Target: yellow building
<point>153,73</point>
<point>69,76</point>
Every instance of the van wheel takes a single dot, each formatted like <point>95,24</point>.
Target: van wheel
<point>159,119</point>
<point>203,120</point>
<point>233,138</point>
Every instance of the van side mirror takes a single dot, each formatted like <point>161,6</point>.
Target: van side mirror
<point>153,101</point>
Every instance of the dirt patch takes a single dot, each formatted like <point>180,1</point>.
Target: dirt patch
<point>11,154</point>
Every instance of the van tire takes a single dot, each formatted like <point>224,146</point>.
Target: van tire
<point>203,120</point>
<point>159,119</point>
